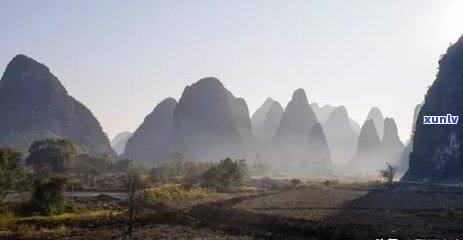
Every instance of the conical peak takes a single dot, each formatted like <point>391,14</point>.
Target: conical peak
<point>166,106</point>
<point>299,96</point>
<point>258,117</point>
<point>207,90</point>
<point>37,105</point>
<point>390,126</point>
<point>368,139</point>
<point>369,131</point>
<point>340,112</point>
<point>206,84</point>
<point>209,81</point>
<point>30,82</point>
<point>22,59</point>
<point>276,105</point>
<point>378,119</point>
<point>368,126</point>
<point>390,131</point>
<point>21,63</point>
<point>268,101</point>
<point>165,103</point>
<point>375,112</point>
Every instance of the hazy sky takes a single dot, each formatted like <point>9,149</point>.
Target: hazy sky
<point>120,58</point>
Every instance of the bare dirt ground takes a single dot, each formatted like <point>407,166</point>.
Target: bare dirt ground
<point>405,212</point>
<point>310,211</point>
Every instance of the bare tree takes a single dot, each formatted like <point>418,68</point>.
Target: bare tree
<point>388,174</point>
<point>134,184</point>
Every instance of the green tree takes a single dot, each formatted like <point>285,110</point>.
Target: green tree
<point>226,174</point>
<point>48,196</point>
<point>12,173</point>
<point>54,155</point>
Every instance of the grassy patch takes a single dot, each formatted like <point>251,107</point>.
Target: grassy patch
<point>6,219</point>
<point>172,192</point>
<point>71,216</point>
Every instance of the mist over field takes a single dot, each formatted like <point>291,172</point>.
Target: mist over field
<point>231,119</point>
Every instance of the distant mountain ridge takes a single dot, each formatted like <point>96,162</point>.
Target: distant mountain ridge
<point>209,123</point>
<point>373,151</point>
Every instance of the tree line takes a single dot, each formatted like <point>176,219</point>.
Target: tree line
<point>51,166</point>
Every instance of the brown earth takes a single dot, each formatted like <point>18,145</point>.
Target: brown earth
<point>311,211</point>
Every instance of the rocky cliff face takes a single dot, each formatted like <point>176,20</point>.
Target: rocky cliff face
<point>404,158</point>
<point>150,142</point>
<point>34,105</point>
<point>437,151</point>
<point>341,137</point>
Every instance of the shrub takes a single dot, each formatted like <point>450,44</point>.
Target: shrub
<point>12,172</point>
<point>226,174</point>
<point>388,174</point>
<point>327,183</point>
<point>47,198</point>
<point>295,182</point>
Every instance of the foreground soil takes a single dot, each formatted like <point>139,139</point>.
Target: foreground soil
<point>405,212</point>
<point>309,211</point>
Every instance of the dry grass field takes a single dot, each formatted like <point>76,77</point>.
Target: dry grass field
<point>307,211</point>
